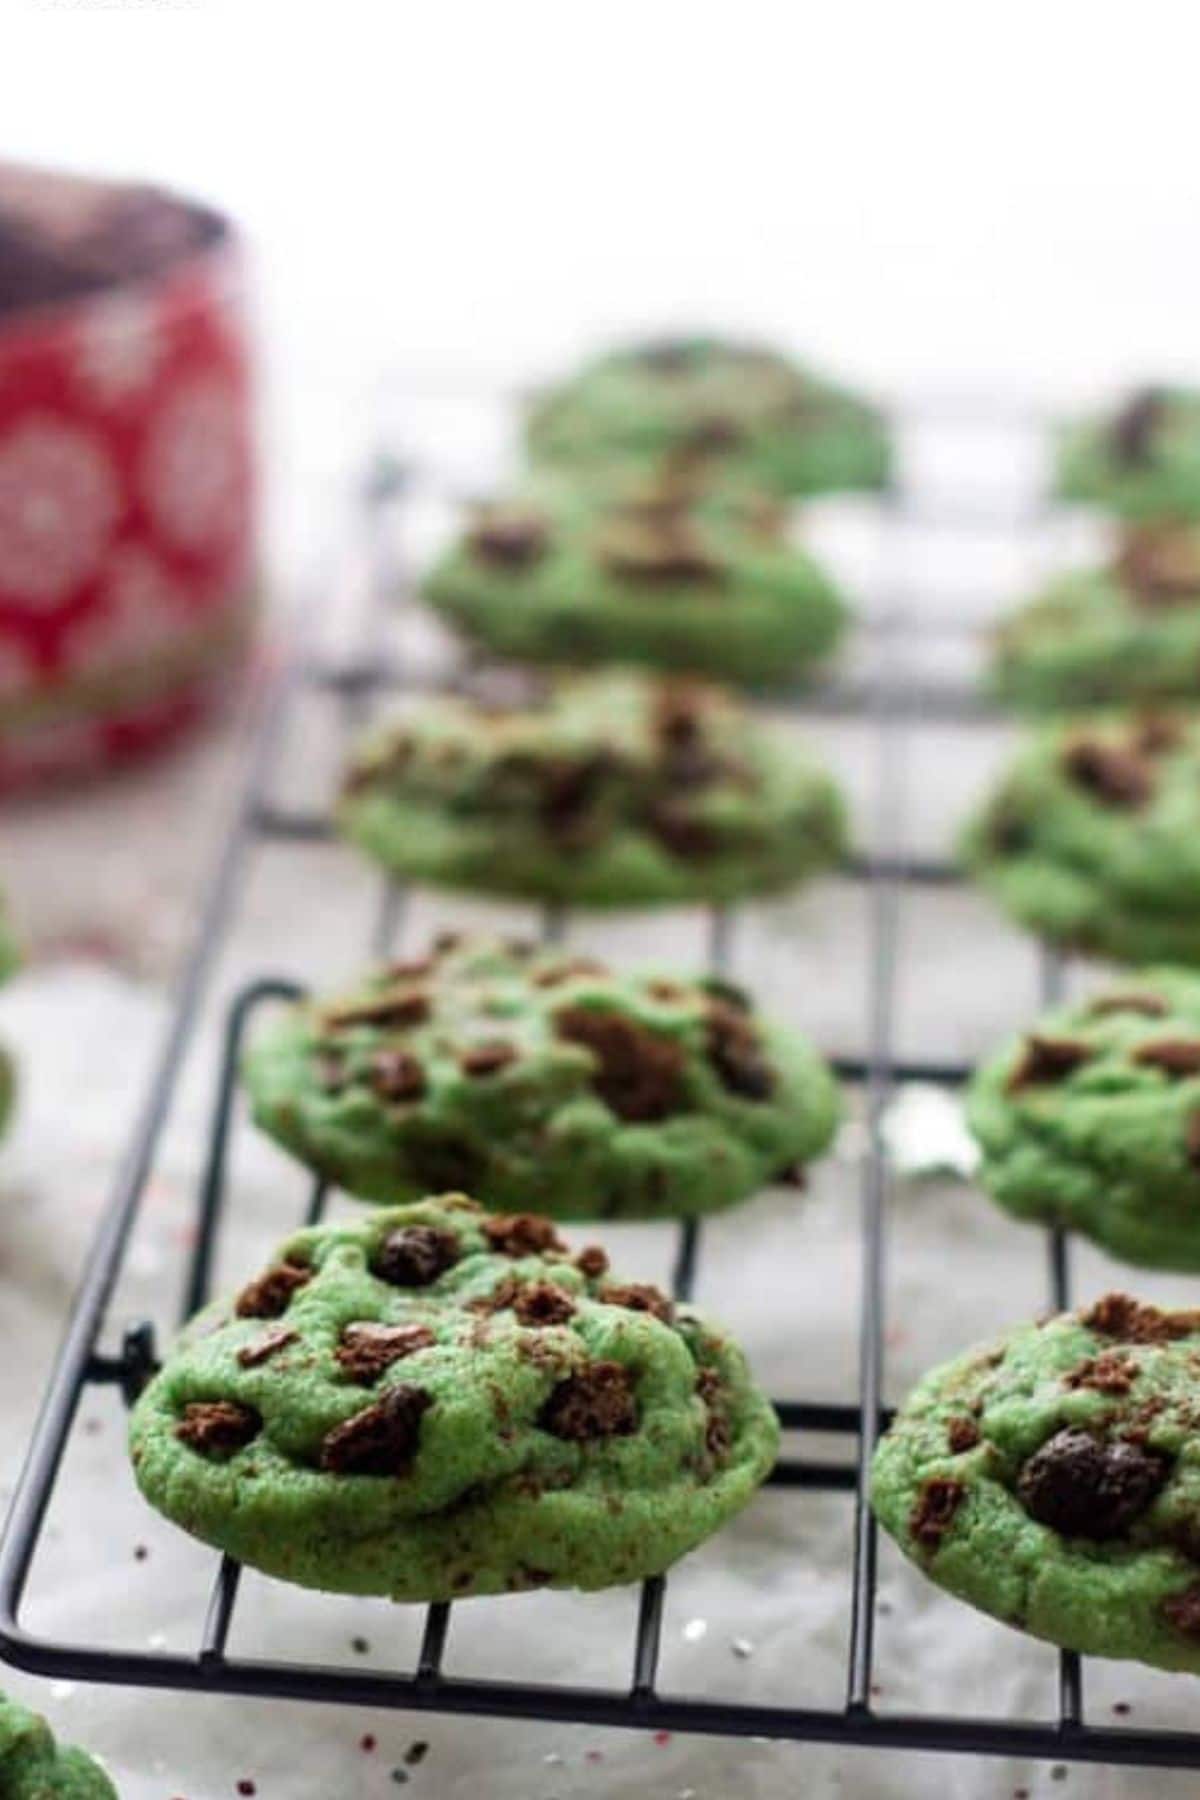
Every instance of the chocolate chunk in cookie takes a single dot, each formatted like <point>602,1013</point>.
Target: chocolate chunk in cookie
<point>380,1440</point>
<point>269,1295</point>
<point>415,1255</point>
<point>638,1074</point>
<point>218,1429</point>
<point>597,1402</point>
<point>1081,1486</point>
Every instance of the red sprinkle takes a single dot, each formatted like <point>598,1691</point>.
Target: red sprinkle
<point>662,1737</point>
<point>366,1742</point>
<point>246,1786</point>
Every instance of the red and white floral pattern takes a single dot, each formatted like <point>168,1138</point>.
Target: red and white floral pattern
<point>194,473</point>
<point>126,509</point>
<point>59,501</point>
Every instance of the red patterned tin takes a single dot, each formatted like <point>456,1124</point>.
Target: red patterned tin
<point>126,489</point>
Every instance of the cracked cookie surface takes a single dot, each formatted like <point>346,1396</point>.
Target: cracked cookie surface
<point>1092,837</point>
<point>1052,1479</point>
<point>661,570</point>
<point>450,1403</point>
<point>536,1078</point>
<point>752,410</point>
<point>1091,1119</point>
<point>605,790</point>
<point>34,1767</point>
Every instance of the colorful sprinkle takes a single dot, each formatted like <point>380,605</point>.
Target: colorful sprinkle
<point>367,1742</point>
<point>742,1647</point>
<point>416,1753</point>
<point>694,1630</point>
<point>662,1737</point>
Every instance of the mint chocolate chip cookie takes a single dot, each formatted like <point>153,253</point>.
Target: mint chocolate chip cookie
<point>536,1078</point>
<point>1092,838</point>
<point>1052,1479</point>
<point>1129,632</point>
<point>433,1402</point>
<point>1092,1120</point>
<point>660,571</point>
<point>34,1767</point>
<point>751,410</point>
<point>605,790</point>
<point>1142,460</point>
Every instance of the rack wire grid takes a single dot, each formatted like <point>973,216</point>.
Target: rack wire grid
<point>892,701</point>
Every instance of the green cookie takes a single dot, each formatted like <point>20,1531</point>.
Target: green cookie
<point>608,790</point>
<point>1092,839</point>
<point>751,409</point>
<point>1143,460</point>
<point>34,1767</point>
<point>655,571</point>
<point>1052,1478</point>
<point>539,1079</point>
<point>1092,1120</point>
<point>1099,636</point>
<point>431,1403</point>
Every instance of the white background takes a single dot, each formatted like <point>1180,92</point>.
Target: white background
<point>920,190</point>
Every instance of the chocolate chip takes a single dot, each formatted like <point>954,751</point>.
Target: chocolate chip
<point>488,1058</point>
<point>734,1050</point>
<point>684,835</point>
<point>1132,431</point>
<point>269,1295</point>
<point>415,1255</point>
<point>264,1347</point>
<point>1151,1006</point>
<point>397,1075</point>
<point>1174,1056</point>
<point>1122,1317</point>
<point>717,432</point>
<point>1083,1487</point>
<point>1046,1060</point>
<point>384,1009</point>
<point>542,1303</point>
<point>218,1428</point>
<point>569,790</point>
<point>638,1297</point>
<point>1183,1610</point>
<point>1115,776</point>
<point>1109,1373</point>
<point>367,1349</point>
<point>595,1403</point>
<point>638,1073</point>
<point>509,540</point>
<point>592,1262</point>
<point>380,1440</point>
<point>937,1502</point>
<point>521,1234</point>
<point>962,1435</point>
<point>665,547</point>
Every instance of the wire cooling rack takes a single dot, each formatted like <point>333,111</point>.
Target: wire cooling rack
<point>890,699</point>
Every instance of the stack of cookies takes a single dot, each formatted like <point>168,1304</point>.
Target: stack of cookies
<point>1049,1477</point>
<point>443,1397</point>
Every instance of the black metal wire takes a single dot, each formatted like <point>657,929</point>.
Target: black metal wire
<point>889,872</point>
